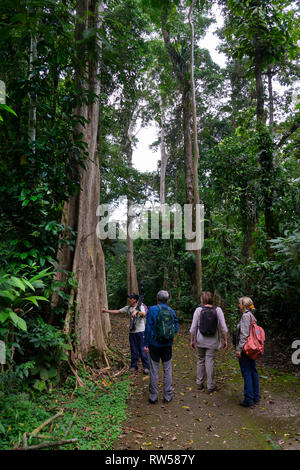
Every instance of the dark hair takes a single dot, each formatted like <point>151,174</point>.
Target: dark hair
<point>207,298</point>
<point>133,296</point>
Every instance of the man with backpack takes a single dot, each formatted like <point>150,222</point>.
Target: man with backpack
<point>208,328</point>
<point>161,327</point>
<point>136,333</point>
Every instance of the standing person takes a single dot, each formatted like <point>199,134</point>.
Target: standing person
<point>208,326</point>
<point>137,336</point>
<point>158,345</point>
<point>247,365</point>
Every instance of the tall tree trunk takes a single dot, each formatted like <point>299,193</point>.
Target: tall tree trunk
<point>181,73</point>
<point>265,149</point>
<point>271,100</point>
<point>32,96</point>
<point>132,282</point>
<point>164,156</point>
<point>248,219</point>
<point>188,150</point>
<point>248,224</point>
<point>88,263</point>
<point>198,280</point>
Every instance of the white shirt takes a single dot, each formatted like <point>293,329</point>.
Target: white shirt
<point>140,322</point>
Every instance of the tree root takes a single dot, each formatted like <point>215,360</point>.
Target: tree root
<point>47,444</point>
<point>78,379</point>
<point>71,423</point>
<point>34,433</point>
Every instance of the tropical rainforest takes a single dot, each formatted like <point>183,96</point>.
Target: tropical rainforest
<point>78,80</point>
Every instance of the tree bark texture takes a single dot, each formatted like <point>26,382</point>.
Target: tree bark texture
<point>164,157</point>
<point>198,273</point>
<point>32,98</point>
<point>132,282</point>
<point>88,263</point>
<point>191,165</point>
<point>265,151</point>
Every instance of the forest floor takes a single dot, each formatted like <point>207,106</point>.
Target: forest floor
<point>198,420</point>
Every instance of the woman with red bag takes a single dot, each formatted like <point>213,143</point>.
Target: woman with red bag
<point>247,365</point>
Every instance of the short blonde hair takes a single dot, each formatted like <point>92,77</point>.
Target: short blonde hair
<point>247,303</point>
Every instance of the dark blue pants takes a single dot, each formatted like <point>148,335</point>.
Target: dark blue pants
<point>136,341</point>
<point>250,375</point>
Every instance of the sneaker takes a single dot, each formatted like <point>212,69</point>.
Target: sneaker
<point>210,390</point>
<point>146,371</point>
<point>246,404</point>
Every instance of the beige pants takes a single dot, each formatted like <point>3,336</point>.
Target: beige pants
<point>206,366</point>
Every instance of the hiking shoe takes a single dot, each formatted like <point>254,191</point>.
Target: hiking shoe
<point>246,404</point>
<point>256,402</point>
<point>210,390</point>
<point>146,371</point>
<point>152,401</point>
<point>166,401</point>
<point>200,386</point>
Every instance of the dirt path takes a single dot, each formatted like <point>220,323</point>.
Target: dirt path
<point>196,420</point>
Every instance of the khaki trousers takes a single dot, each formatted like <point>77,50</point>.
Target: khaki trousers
<point>206,366</point>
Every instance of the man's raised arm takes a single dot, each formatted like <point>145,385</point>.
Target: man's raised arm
<point>104,310</point>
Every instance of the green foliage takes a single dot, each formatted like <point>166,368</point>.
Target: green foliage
<point>241,165</point>
<point>34,349</point>
<point>263,24</point>
<point>47,346</point>
<point>277,288</point>
<point>19,414</point>
<point>99,415</point>
<point>14,297</point>
<point>4,107</point>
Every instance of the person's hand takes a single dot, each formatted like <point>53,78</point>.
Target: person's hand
<point>146,349</point>
<point>192,344</point>
<point>225,344</point>
<point>134,313</point>
<point>102,310</point>
<point>238,354</point>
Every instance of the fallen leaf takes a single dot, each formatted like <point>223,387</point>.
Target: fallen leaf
<point>106,384</point>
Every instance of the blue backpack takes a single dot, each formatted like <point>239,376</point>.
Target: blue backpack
<point>165,326</point>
